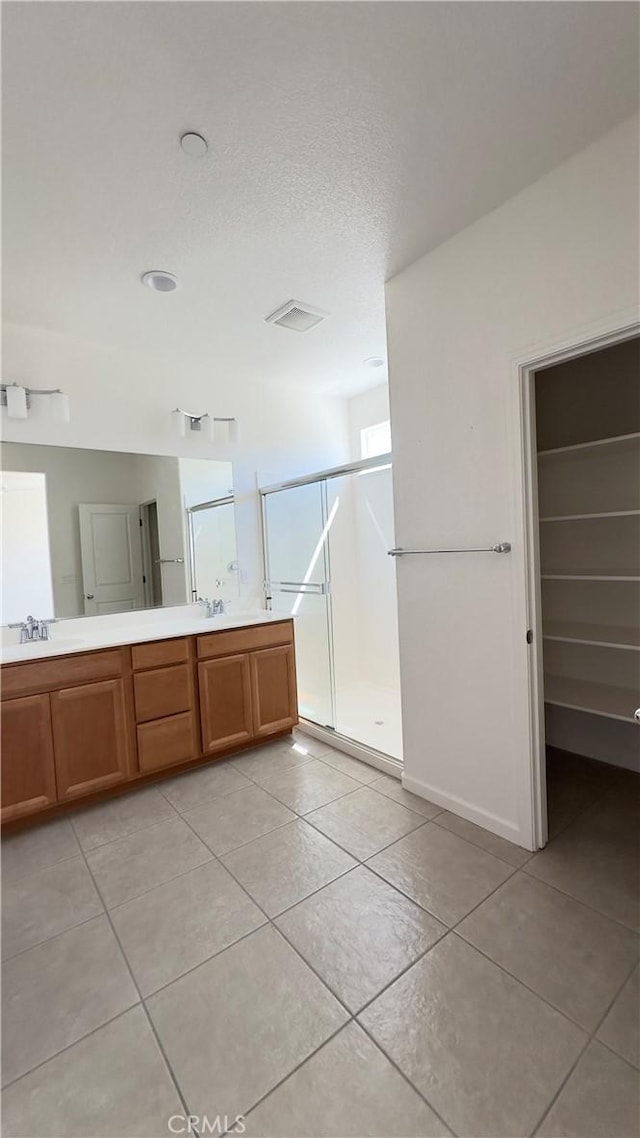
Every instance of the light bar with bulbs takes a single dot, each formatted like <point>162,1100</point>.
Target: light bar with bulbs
<point>205,423</point>
<point>18,401</point>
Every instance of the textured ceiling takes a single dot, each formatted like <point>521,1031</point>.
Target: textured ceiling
<point>346,139</point>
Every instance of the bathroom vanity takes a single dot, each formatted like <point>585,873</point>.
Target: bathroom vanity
<point>87,717</point>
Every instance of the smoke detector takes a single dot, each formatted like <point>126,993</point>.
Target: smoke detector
<point>296,316</point>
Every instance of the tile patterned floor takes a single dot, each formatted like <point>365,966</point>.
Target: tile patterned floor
<point>291,937</point>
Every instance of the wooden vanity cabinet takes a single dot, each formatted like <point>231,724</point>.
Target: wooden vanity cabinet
<point>28,772</point>
<point>90,737</point>
<point>225,702</point>
<point>79,726</point>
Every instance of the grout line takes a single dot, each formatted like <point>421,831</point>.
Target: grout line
<point>54,936</point>
<point>69,1046</point>
<point>129,833</point>
<point>578,900</point>
<point>590,1040</point>
<point>477,845</point>
<point>141,999</point>
<point>405,1076</point>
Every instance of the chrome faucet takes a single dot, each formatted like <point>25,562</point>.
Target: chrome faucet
<point>32,629</point>
<point>212,608</point>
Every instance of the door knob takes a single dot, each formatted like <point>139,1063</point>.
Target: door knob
<point>90,596</point>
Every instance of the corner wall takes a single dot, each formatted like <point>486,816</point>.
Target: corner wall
<point>552,268</point>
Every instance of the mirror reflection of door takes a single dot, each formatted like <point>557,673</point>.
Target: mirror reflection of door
<point>111,553</point>
<point>152,570</point>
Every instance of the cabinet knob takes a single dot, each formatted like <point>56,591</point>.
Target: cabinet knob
<point>90,596</point>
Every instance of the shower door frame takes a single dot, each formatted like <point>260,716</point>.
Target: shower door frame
<point>379,759</point>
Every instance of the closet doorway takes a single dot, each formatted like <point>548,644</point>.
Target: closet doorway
<point>584,475</point>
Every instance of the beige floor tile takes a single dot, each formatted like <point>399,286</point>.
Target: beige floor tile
<point>309,785</point>
<point>600,1100</point>
<point>364,822</point>
<point>193,789</point>
<point>287,865</point>
<point>358,934</point>
<point>442,872</point>
<point>499,847</point>
<point>59,991</point>
<point>348,1089</point>
<point>265,762</point>
<point>130,866</point>
<point>182,923</point>
<point>621,1028</point>
<point>340,761</point>
<point>488,1054</point>
<point>570,955</point>
<point>568,798</point>
<point>97,825</point>
<point>113,1083</point>
<point>237,1025</point>
<point>238,818</point>
<point>36,848</point>
<point>393,788</point>
<point>45,903</point>
<point>597,859</point>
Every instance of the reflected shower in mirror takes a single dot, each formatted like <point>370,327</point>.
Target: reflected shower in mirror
<point>89,532</point>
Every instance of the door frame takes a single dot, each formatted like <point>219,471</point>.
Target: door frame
<point>525,369</point>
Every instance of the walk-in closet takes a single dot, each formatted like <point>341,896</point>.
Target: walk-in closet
<point>588,468</point>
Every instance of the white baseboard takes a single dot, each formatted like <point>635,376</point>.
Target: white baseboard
<point>483,818</point>
<point>383,763</point>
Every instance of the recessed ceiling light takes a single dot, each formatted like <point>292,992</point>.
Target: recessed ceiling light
<point>373,361</point>
<point>160,281</point>
<point>194,144</point>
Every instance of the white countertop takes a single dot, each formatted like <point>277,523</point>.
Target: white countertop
<point>87,634</point>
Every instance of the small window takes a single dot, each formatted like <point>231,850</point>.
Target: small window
<point>375,440</point>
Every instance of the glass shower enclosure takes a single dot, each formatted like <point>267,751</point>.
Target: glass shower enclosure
<point>326,539</point>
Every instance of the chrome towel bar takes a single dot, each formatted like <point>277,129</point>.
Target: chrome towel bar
<point>501,547</point>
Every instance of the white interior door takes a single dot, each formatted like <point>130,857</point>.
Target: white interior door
<point>111,558</point>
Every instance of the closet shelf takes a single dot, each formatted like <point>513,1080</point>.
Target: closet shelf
<point>589,517</point>
<point>596,699</point>
<point>596,635</point>
<point>588,575</point>
<point>616,440</point>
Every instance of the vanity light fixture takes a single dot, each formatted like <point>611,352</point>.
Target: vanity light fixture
<point>203,422</point>
<point>18,401</point>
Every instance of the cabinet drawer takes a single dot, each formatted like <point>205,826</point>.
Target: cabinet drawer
<point>166,742</point>
<point>159,652</point>
<point>162,692</point>
<point>244,639</point>
<point>60,672</point>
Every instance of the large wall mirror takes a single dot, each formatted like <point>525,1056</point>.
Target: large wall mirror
<point>87,532</point>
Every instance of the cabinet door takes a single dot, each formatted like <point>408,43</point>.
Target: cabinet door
<point>90,737</point>
<point>273,687</point>
<point>28,774</point>
<point>225,701</point>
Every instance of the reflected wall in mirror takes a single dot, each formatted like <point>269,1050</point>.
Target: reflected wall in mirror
<point>88,532</point>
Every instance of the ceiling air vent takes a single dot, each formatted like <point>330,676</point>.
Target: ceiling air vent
<point>296,316</point>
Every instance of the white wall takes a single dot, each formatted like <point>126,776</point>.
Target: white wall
<point>27,587</point>
<point>552,268</point>
<point>366,410</point>
<point>122,401</point>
